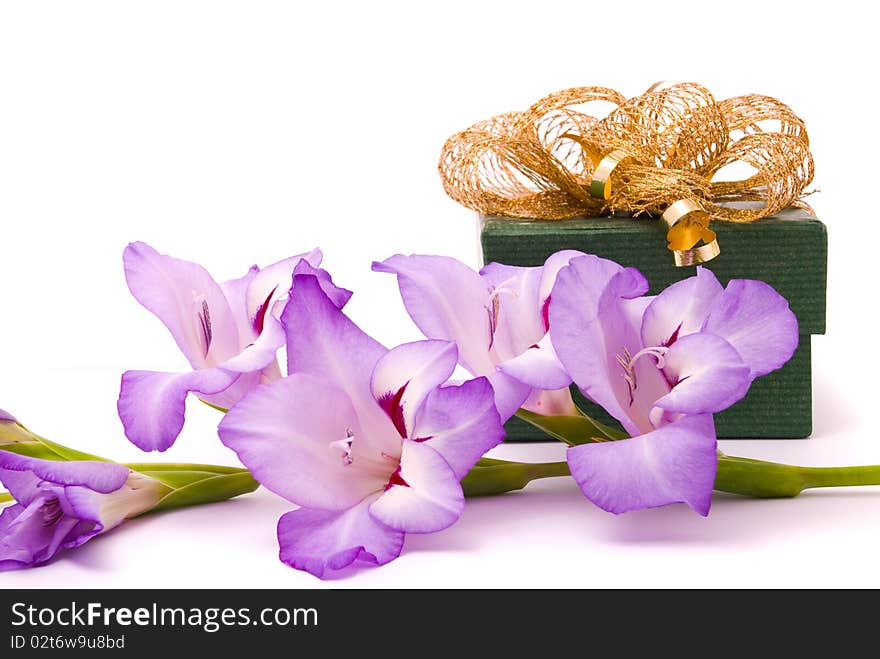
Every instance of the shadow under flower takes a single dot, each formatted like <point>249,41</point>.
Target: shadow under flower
<point>554,511</point>
<point>549,513</point>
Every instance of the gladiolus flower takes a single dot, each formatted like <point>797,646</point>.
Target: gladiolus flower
<point>229,332</point>
<point>661,366</point>
<point>366,440</point>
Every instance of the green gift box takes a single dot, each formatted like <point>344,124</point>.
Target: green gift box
<point>788,251</point>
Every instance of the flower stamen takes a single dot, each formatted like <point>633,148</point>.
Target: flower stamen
<point>494,306</point>
<point>344,445</point>
<point>204,318</point>
<point>657,352</point>
<point>629,373</point>
<point>628,364</point>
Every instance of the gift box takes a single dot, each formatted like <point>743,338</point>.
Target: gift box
<point>787,250</point>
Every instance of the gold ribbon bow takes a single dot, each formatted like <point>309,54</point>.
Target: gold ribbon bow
<point>673,152</point>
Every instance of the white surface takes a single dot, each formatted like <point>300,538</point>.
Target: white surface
<point>232,133</point>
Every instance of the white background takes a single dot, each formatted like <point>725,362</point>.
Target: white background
<point>232,133</point>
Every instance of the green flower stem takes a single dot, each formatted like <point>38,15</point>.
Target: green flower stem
<point>490,476</point>
<point>752,478</point>
<point>757,478</point>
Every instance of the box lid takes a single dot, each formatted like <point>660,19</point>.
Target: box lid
<point>788,251</point>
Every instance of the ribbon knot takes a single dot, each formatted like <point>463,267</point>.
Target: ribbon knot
<point>673,151</point>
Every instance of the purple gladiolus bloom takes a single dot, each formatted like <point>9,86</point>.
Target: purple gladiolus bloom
<point>64,504</point>
<point>229,332</point>
<point>499,319</point>
<point>661,366</point>
<point>367,441</point>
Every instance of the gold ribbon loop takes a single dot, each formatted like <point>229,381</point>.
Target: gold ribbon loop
<point>688,224</point>
<point>544,163</point>
<point>600,185</point>
<point>698,255</point>
<point>680,210</point>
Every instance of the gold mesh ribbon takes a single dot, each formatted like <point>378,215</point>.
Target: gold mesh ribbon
<point>668,152</point>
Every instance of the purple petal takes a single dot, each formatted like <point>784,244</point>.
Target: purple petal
<point>187,300</point>
<point>99,476</point>
<point>446,300</point>
<point>27,540</point>
<point>139,494</point>
<point>241,387</point>
<point>589,276</point>
<point>674,464</point>
<point>235,291</point>
<point>709,373</point>
<point>319,540</point>
<point>261,353</point>
<point>757,321</point>
<point>151,405</point>
<point>551,402</point>
<point>323,342</point>
<point>32,535</point>
<point>554,263</point>
<point>428,496</point>
<point>538,367</point>
<point>515,308</point>
<point>680,309</point>
<point>460,423</point>
<point>520,299</point>
<point>301,438</point>
<point>406,374</point>
<point>273,282</point>
<point>16,549</point>
<point>6,416</point>
<point>24,486</point>
<point>339,296</point>
<point>510,393</point>
<point>592,328</point>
